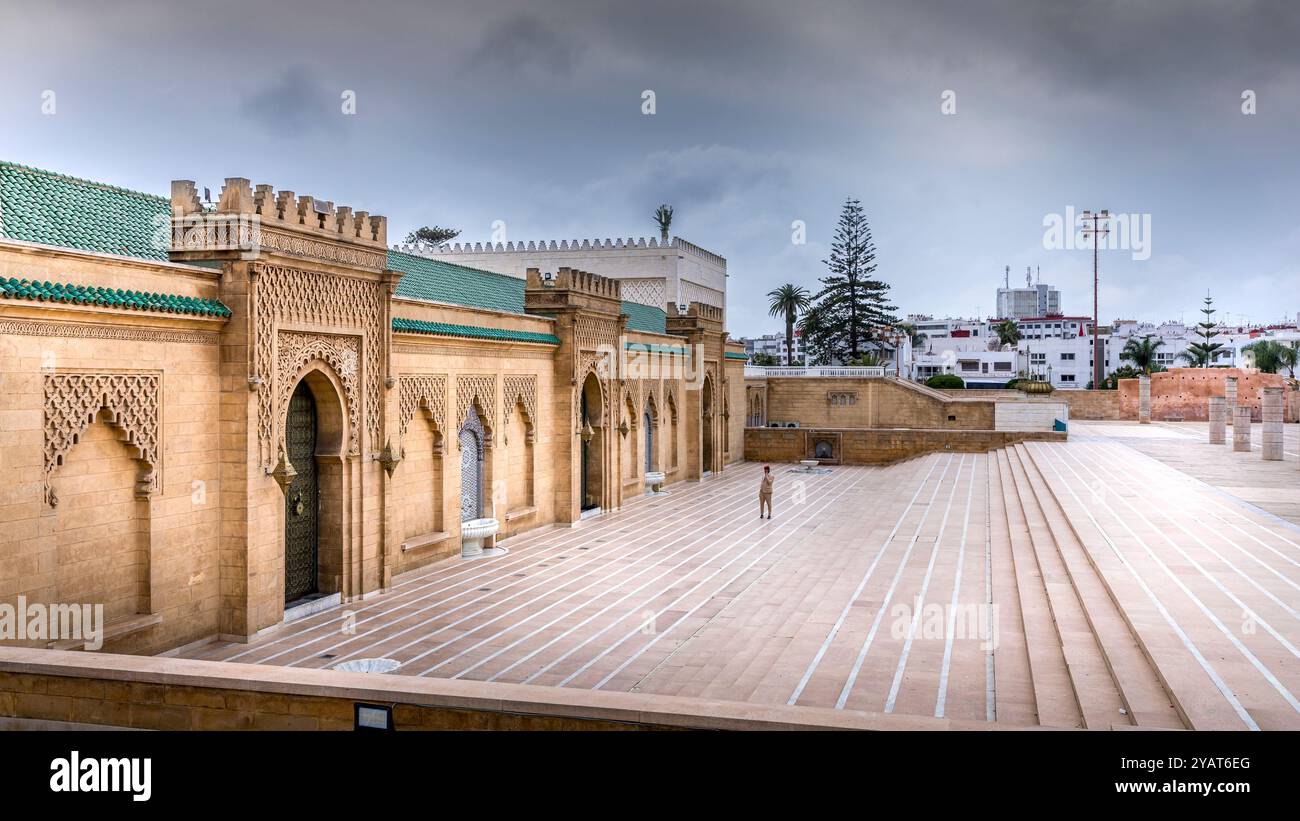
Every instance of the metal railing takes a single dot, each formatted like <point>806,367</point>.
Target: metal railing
<point>874,372</point>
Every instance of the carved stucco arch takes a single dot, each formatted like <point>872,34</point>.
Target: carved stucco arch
<point>521,390</point>
<point>73,401</point>
<point>430,393</point>
<point>339,357</point>
<point>480,392</point>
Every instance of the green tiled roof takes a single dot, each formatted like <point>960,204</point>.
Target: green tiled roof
<point>736,355</point>
<point>641,347</point>
<point>645,318</point>
<point>440,281</point>
<point>51,209</point>
<point>417,326</point>
<point>110,298</point>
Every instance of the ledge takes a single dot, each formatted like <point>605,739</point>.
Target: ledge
<point>520,513</point>
<point>479,696</point>
<point>113,630</point>
<point>426,540</point>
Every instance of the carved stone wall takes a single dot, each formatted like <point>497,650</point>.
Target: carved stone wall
<point>342,353</point>
<point>481,388</point>
<point>429,391</point>
<point>521,389</point>
<point>290,296</point>
<point>73,400</point>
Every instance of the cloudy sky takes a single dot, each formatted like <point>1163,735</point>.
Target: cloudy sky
<point>473,111</point>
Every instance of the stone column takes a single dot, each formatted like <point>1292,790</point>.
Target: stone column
<point>1241,428</point>
<point>1144,400</point>
<point>1230,394</point>
<point>1218,410</point>
<point>1272,413</point>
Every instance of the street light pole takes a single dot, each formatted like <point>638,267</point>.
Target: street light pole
<point>1096,230</point>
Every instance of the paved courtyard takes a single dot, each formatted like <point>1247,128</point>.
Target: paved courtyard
<point>1135,575</point>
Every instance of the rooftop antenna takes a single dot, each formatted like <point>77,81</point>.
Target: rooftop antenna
<point>1006,278</point>
<point>1039,270</point>
<point>1029,277</point>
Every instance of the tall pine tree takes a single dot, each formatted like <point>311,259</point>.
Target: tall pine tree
<point>853,305</point>
<point>1203,353</point>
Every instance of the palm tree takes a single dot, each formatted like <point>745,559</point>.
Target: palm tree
<point>664,217</point>
<point>1142,352</point>
<point>1008,332</point>
<point>788,301</point>
<point>1271,356</point>
<point>1195,357</point>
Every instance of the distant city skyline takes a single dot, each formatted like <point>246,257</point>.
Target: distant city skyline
<point>495,115</point>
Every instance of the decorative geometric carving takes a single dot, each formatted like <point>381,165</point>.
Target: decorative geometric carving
<point>288,295</point>
<point>301,246</point>
<point>341,353</point>
<point>22,327</point>
<point>426,391</point>
<point>521,389</point>
<point>596,333</point>
<point>73,400</point>
<point>480,389</point>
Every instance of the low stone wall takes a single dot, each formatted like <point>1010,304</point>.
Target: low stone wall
<point>50,688</point>
<point>876,447</point>
<point>1084,405</point>
<point>871,403</point>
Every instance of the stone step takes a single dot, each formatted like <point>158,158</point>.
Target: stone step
<point>1054,697</point>
<point>1095,691</point>
<point>1199,702</point>
<point>1012,682</point>
<point>1145,699</point>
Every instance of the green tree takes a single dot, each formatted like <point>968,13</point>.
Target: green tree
<point>941,381</point>
<point>1008,332</point>
<point>1203,353</point>
<point>788,302</point>
<point>764,360</point>
<point>664,219</point>
<point>819,344</point>
<point>431,236</point>
<point>852,303</point>
<point>1142,352</point>
<point>918,339</point>
<point>1271,356</point>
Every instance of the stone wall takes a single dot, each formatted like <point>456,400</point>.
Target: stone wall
<point>52,689</point>
<point>872,403</point>
<point>1183,393</point>
<point>1084,405</point>
<point>875,447</point>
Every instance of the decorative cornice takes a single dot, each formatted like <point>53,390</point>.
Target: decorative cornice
<point>23,327</point>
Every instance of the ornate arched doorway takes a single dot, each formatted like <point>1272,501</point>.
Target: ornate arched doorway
<point>591,482</point>
<point>302,498</point>
<point>471,467</point>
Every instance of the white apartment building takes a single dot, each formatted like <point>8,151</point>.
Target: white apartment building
<point>774,345</point>
<point>1178,337</point>
<point>1031,300</point>
<point>652,271</point>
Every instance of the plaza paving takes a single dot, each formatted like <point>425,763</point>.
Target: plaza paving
<point>1136,576</point>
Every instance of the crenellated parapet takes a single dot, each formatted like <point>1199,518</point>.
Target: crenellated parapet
<point>539,246</point>
<point>248,220</point>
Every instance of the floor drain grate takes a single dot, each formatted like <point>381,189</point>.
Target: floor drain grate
<point>485,590</point>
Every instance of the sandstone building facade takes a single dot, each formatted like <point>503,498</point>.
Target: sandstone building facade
<point>209,411</point>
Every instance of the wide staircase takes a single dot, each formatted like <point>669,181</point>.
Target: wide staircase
<point>1084,664</point>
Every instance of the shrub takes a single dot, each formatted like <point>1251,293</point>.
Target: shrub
<point>943,381</point>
